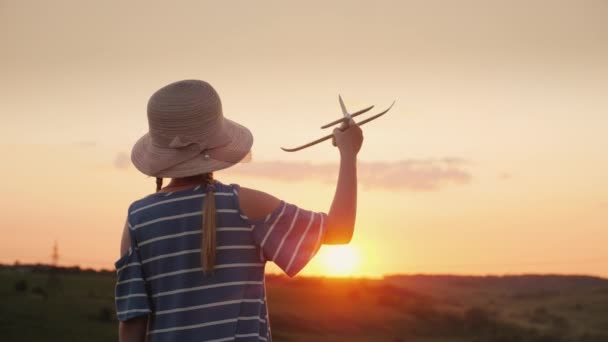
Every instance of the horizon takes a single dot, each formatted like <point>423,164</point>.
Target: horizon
<point>492,161</point>
<point>334,277</point>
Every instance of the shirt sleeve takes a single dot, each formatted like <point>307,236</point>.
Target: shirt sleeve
<point>290,236</point>
<point>131,294</point>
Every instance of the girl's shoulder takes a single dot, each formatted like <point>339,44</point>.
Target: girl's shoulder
<point>255,204</point>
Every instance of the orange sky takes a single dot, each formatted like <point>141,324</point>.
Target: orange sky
<point>492,161</point>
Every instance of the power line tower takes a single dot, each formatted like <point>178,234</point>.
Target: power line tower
<point>55,255</point>
<point>54,281</point>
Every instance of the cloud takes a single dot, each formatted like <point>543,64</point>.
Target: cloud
<point>408,174</point>
<point>414,175</point>
<point>122,161</point>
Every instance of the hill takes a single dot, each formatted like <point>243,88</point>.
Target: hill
<point>40,303</point>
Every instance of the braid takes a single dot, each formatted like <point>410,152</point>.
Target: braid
<point>208,236</point>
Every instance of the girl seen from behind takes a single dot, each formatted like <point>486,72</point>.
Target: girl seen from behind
<point>193,253</point>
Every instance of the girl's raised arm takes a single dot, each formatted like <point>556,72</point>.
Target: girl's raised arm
<point>343,211</point>
<point>341,218</point>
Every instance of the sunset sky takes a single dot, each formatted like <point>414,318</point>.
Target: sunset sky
<point>493,160</point>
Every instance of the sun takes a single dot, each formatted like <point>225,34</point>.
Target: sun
<point>339,260</point>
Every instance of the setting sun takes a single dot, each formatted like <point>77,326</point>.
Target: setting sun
<point>339,261</point>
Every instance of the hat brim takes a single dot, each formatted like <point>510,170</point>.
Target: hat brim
<point>175,163</point>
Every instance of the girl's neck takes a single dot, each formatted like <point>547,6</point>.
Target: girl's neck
<point>186,182</point>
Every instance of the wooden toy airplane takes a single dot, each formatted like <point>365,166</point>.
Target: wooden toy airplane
<point>346,119</point>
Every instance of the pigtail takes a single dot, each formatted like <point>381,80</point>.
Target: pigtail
<point>208,229</point>
<point>208,236</point>
<point>159,183</point>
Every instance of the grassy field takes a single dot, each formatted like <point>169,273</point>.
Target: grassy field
<point>72,305</point>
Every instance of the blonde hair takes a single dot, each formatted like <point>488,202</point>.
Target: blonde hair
<point>208,229</point>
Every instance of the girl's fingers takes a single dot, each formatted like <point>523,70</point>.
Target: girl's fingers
<point>333,139</point>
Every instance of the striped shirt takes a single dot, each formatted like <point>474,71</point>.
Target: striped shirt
<point>161,274</point>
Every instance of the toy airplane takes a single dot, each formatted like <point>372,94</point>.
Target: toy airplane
<point>346,119</point>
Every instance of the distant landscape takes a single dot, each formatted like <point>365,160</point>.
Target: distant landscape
<point>43,303</point>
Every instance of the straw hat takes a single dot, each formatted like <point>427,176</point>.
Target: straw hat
<point>188,134</point>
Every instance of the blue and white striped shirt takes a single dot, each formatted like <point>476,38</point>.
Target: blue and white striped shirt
<point>161,275</point>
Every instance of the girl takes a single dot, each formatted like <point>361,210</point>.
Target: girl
<point>193,253</point>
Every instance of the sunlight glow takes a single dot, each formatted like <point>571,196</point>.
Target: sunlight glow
<point>340,260</point>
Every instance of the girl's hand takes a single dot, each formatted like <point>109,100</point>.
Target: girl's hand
<point>348,138</point>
